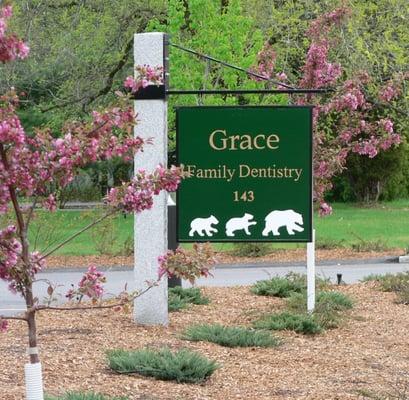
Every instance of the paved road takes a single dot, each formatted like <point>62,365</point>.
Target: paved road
<point>225,275</point>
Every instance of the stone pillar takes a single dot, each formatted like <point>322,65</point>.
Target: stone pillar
<point>150,227</point>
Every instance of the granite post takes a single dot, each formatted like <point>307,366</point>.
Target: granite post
<point>150,227</point>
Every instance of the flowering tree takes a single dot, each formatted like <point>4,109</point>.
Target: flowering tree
<point>30,167</point>
<point>348,118</point>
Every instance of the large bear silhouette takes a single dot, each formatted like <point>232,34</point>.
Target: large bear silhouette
<point>277,219</point>
<point>198,225</point>
<point>236,224</point>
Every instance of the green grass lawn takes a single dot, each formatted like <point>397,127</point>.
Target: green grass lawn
<point>349,224</point>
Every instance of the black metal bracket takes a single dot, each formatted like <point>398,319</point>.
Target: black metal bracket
<point>160,92</point>
<point>154,92</point>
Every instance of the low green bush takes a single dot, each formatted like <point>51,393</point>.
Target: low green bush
<point>229,336</point>
<point>279,286</point>
<point>250,249</point>
<point>398,283</point>
<point>286,286</point>
<point>329,307</point>
<point>370,245</point>
<point>300,323</point>
<point>390,282</point>
<point>329,301</point>
<point>329,244</point>
<point>179,298</point>
<point>181,366</point>
<point>83,396</point>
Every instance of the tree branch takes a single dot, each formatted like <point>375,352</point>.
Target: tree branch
<point>110,80</point>
<point>102,307</point>
<point>89,226</point>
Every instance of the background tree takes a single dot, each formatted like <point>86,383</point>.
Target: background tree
<point>373,39</point>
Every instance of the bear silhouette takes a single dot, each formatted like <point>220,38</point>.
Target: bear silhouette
<point>198,225</point>
<point>236,224</point>
<point>277,219</point>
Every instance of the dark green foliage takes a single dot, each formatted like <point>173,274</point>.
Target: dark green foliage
<point>300,323</point>
<point>384,177</point>
<point>279,287</point>
<point>327,314</point>
<point>181,366</point>
<point>328,308</point>
<point>229,336</point>
<point>251,249</point>
<point>83,396</point>
<point>334,300</point>
<point>180,298</point>
<point>324,300</point>
<point>285,286</point>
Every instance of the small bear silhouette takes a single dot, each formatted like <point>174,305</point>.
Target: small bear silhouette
<point>277,219</point>
<point>198,225</point>
<point>235,224</point>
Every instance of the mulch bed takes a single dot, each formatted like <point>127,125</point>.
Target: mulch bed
<point>369,352</point>
<point>277,256</point>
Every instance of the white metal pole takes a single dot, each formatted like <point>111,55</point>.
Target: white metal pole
<point>311,274</point>
<point>150,227</point>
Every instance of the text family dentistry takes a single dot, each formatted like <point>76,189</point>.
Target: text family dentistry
<point>243,171</point>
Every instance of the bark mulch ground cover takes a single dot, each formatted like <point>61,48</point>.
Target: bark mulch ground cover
<point>369,352</point>
<point>277,256</point>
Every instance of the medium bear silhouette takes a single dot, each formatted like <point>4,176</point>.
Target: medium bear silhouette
<point>277,219</point>
<point>198,225</point>
<point>236,224</point>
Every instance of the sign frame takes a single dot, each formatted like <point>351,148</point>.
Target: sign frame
<point>309,232</point>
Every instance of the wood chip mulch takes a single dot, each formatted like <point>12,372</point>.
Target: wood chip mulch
<point>278,256</point>
<point>368,353</point>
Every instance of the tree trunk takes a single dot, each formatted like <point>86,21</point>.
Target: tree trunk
<point>32,326</point>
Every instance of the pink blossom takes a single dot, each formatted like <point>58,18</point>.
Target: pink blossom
<point>282,76</point>
<point>50,203</point>
<point>388,93</point>
<point>325,209</point>
<point>90,285</point>
<point>185,264</point>
<point>265,62</point>
<point>10,46</point>
<point>145,75</point>
<point>386,124</point>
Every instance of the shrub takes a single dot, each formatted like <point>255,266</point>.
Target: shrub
<point>300,323</point>
<point>230,336</point>
<point>83,396</point>
<point>286,286</point>
<point>328,244</point>
<point>328,307</point>
<point>363,245</point>
<point>181,366</point>
<point>390,282</point>
<point>334,301</point>
<point>279,287</point>
<point>398,283</point>
<point>179,298</point>
<point>251,249</point>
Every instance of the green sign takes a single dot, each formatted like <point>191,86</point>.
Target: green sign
<point>249,174</point>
